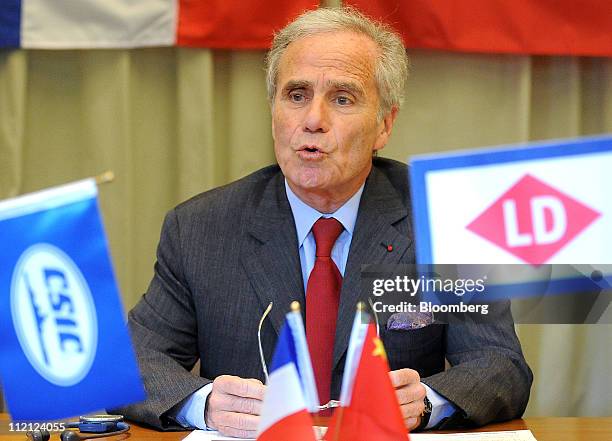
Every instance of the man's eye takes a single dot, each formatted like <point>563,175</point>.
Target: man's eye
<point>343,100</point>
<point>296,97</point>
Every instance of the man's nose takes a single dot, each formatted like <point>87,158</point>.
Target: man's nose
<point>317,116</point>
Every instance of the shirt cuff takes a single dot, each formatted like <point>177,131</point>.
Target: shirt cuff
<point>440,407</point>
<point>191,414</point>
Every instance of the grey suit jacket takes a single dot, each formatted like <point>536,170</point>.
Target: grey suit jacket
<point>225,254</point>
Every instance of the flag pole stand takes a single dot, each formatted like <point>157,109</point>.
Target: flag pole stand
<point>339,424</point>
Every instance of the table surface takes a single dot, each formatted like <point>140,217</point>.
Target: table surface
<point>544,429</point>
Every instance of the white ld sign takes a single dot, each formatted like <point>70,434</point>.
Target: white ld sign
<point>537,204</point>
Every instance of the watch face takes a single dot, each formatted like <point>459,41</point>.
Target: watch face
<point>101,418</point>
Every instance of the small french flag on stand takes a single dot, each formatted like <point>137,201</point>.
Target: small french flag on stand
<point>291,393</point>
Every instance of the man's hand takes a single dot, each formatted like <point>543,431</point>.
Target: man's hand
<point>410,394</point>
<point>234,406</point>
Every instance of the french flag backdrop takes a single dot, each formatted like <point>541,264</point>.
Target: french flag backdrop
<point>70,24</point>
<point>548,27</point>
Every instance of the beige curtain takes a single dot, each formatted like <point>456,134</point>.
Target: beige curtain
<point>174,122</point>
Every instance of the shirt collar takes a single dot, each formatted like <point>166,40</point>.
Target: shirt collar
<point>305,216</point>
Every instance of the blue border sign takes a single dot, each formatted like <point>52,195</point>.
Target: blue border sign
<point>65,348</point>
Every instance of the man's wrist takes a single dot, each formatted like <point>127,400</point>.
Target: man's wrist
<point>192,413</point>
<point>442,408</point>
<point>206,411</point>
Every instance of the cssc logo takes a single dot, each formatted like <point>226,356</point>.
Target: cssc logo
<point>54,315</point>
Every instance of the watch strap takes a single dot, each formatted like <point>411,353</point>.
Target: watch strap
<point>425,415</point>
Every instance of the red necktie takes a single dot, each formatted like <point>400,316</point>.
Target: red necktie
<point>322,298</point>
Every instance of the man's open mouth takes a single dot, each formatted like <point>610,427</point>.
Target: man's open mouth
<point>311,153</point>
<point>310,149</point>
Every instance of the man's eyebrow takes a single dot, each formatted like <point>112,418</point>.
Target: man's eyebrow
<point>349,86</point>
<point>297,84</point>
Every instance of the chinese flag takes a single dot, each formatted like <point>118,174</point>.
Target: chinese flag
<point>373,412</point>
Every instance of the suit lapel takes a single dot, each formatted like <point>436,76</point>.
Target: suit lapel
<point>271,258</point>
<point>380,209</point>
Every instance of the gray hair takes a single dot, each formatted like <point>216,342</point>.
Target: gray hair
<point>391,68</point>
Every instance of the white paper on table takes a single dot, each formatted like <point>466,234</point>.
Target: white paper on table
<point>210,435</point>
<point>509,435</point>
<point>213,435</point>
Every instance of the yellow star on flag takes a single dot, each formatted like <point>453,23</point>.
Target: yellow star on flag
<point>379,350</point>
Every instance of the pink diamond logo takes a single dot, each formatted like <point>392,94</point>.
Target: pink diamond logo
<point>533,220</point>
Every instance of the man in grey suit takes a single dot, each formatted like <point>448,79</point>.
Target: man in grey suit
<point>335,84</point>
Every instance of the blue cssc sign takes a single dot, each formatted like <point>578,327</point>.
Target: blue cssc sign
<point>64,346</point>
<point>54,315</point>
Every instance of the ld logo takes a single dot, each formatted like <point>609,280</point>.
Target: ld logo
<point>533,220</point>
<point>54,315</point>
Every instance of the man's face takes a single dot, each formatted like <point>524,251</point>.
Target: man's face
<point>324,116</point>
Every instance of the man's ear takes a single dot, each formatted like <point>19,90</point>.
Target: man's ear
<point>386,125</point>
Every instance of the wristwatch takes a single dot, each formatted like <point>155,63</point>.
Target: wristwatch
<point>426,414</point>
